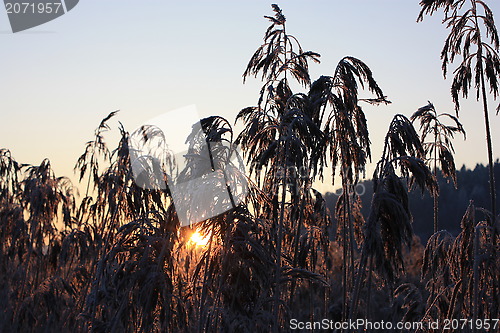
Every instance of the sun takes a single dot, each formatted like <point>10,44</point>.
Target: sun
<point>198,239</point>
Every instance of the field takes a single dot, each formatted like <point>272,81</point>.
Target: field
<point>120,257</point>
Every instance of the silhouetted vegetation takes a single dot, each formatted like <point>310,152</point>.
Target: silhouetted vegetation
<point>473,37</point>
<point>472,184</point>
<point>119,260</point>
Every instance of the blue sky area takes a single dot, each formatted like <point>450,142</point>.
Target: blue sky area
<point>145,58</point>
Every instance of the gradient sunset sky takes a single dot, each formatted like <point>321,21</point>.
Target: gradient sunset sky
<point>145,58</point>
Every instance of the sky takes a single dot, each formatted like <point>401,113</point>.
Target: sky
<point>145,58</point>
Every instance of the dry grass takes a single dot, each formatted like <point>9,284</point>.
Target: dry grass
<point>122,263</point>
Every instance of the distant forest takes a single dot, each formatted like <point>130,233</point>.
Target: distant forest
<point>453,202</point>
<point>123,259</point>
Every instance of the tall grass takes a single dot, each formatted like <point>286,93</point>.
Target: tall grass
<point>119,260</point>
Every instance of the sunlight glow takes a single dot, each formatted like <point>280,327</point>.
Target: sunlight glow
<point>198,239</point>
